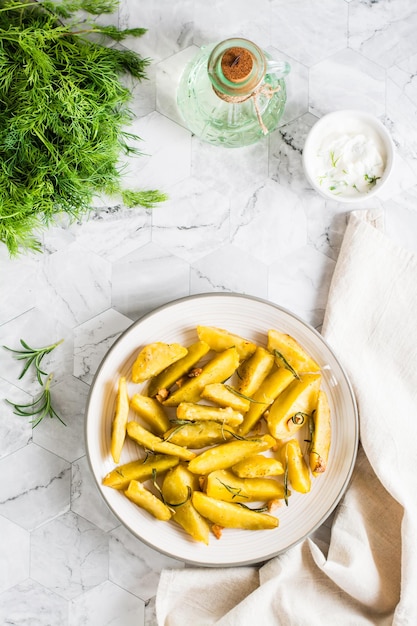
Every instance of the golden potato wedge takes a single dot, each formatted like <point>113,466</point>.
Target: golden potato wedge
<point>286,349</point>
<point>154,358</point>
<point>273,385</point>
<point>177,489</point>
<point>151,442</point>
<point>219,340</point>
<point>254,370</point>
<point>170,375</point>
<point>152,412</point>
<point>142,469</point>
<point>321,435</point>
<point>298,472</point>
<point>225,485</point>
<point>227,454</point>
<point>230,515</point>
<point>293,406</point>
<point>197,435</point>
<point>218,369</point>
<point>144,498</point>
<point>193,412</point>
<point>258,466</point>
<point>118,429</point>
<point>223,396</point>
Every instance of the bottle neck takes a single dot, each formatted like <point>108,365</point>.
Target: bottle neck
<point>236,68</point>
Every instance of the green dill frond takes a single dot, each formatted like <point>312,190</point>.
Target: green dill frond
<point>63,116</point>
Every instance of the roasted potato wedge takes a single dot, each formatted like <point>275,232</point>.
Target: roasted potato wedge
<point>230,515</point>
<point>177,488</point>
<point>254,370</point>
<point>142,469</point>
<point>258,466</point>
<point>218,369</point>
<point>293,407</point>
<point>224,397</point>
<point>225,485</point>
<point>118,430</point>
<point>154,358</point>
<point>151,442</point>
<point>227,454</point>
<point>298,472</point>
<point>152,412</point>
<point>144,498</point>
<point>287,350</point>
<point>170,375</point>
<point>273,385</point>
<point>197,435</point>
<point>321,436</point>
<point>193,412</point>
<point>219,340</point>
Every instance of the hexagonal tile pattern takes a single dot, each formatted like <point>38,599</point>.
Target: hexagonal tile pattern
<point>14,555</point>
<point>69,555</point>
<point>93,339</point>
<point>204,223</point>
<point>275,213</point>
<point>310,301</point>
<point>114,231</point>
<point>135,287</point>
<point>35,488</point>
<point>236,220</point>
<point>22,280</point>
<point>356,83</point>
<point>66,439</point>
<point>107,604</point>
<point>74,300</point>
<point>134,566</point>
<point>38,329</point>
<point>307,31</point>
<point>86,499</point>
<point>383,31</point>
<point>37,605</point>
<point>228,270</point>
<point>15,431</point>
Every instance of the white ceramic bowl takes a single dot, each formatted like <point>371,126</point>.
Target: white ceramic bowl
<point>250,318</point>
<point>348,156</point>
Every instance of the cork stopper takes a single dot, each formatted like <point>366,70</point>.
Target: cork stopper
<point>236,64</point>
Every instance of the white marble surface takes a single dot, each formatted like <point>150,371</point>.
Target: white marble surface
<point>240,220</point>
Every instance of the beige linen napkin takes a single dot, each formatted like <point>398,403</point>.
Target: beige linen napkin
<point>369,574</point>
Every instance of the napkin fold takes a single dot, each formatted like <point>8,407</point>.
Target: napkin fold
<point>368,575</point>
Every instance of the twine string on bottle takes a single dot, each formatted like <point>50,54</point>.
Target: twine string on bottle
<point>264,90</point>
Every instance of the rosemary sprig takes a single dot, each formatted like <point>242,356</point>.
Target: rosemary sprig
<point>242,395</point>
<point>299,418</point>
<point>39,407</point>
<point>235,491</point>
<point>33,356</point>
<point>286,478</point>
<point>287,366</point>
<point>159,490</point>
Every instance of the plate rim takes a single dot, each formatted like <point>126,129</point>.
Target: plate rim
<point>310,328</point>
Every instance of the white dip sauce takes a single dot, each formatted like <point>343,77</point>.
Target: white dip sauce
<point>350,162</point>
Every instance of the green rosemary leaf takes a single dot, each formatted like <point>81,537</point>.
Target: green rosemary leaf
<point>40,407</point>
<point>235,491</point>
<point>261,509</point>
<point>286,479</point>
<point>282,358</point>
<point>242,395</point>
<point>33,356</point>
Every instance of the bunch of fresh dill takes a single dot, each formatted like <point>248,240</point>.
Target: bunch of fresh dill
<point>63,114</point>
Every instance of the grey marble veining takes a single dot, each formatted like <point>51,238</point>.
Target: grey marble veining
<point>242,220</point>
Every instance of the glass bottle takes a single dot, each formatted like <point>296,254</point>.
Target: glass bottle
<point>232,93</point>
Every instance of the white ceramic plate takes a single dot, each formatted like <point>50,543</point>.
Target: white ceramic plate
<point>251,318</point>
